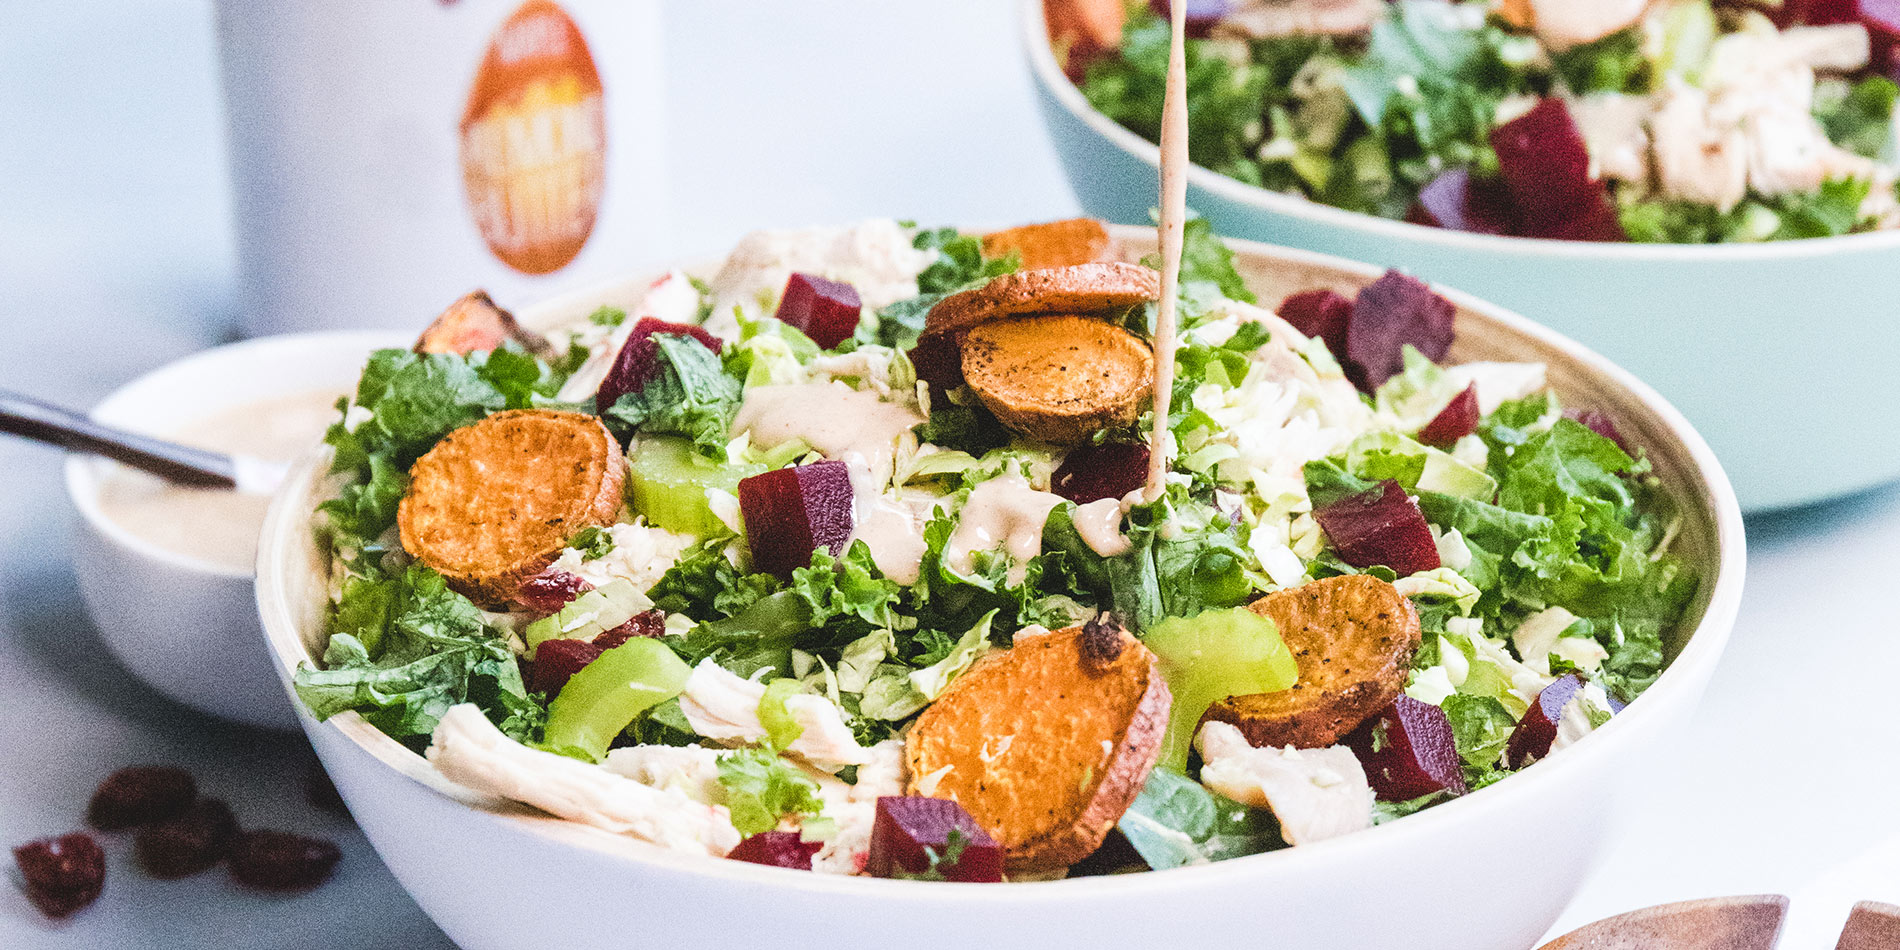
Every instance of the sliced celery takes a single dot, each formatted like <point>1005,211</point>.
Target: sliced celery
<point>667,482</point>
<point>608,694</point>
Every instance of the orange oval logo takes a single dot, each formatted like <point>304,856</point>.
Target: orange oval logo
<point>534,140</point>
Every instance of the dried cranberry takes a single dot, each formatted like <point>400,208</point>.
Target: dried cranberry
<point>549,591</point>
<point>62,874</point>
<point>140,795</point>
<point>651,623</point>
<point>556,661</point>
<point>188,843</point>
<point>281,861</point>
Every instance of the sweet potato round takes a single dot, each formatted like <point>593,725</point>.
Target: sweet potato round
<point>1059,379</point>
<point>1046,744</point>
<point>1054,243</point>
<point>1353,638</point>
<point>494,502</point>
<point>1080,288</point>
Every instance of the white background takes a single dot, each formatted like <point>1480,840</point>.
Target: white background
<point>115,256</point>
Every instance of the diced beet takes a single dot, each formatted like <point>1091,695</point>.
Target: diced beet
<point>1532,738</point>
<point>650,624</point>
<point>140,795</point>
<point>1201,15</point>
<point>1457,202</point>
<point>1882,19</point>
<point>556,661</point>
<point>939,362</point>
<point>779,849</point>
<point>1408,751</point>
<point>1094,472</point>
<point>63,874</point>
<point>1381,525</point>
<point>1321,314</point>
<point>1390,314</point>
<point>549,591</point>
<point>1598,422</point>
<point>1810,12</point>
<point>1546,170</point>
<point>826,310</point>
<point>1458,419</point>
<point>638,361</point>
<point>907,825</point>
<point>792,512</point>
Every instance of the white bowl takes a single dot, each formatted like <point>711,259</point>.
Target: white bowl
<point>1491,870</point>
<point>1780,353</point>
<point>184,624</point>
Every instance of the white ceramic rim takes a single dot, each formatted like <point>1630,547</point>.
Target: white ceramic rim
<point>1042,64</point>
<point>1703,648</point>
<point>83,481</point>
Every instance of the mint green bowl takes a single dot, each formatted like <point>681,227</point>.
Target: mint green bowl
<point>1786,356</point>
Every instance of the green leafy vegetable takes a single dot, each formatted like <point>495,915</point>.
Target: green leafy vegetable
<point>1175,821</point>
<point>692,395</point>
<point>763,789</point>
<point>593,542</point>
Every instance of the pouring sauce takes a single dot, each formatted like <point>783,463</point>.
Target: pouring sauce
<point>213,524</point>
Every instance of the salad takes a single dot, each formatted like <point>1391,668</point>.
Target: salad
<point>845,558</point>
<point>1686,121</point>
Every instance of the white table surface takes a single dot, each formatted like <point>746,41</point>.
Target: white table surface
<point>115,256</point>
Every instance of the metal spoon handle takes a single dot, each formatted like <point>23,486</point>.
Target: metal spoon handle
<point>70,430</point>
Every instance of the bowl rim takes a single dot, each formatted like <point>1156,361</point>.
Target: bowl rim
<point>1703,647</point>
<point>85,475</point>
<point>1049,75</point>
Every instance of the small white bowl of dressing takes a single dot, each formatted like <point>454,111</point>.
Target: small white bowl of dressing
<point>166,569</point>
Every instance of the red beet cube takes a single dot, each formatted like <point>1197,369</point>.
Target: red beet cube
<point>826,310</point>
<point>639,359</point>
<point>1321,314</point>
<point>1381,525</point>
<point>63,874</point>
<point>1882,19</point>
<point>792,512</point>
<point>1599,423</point>
<point>1458,419</point>
<point>1532,738</point>
<point>549,591</point>
<point>650,624</point>
<point>1457,202</point>
<point>1408,751</point>
<point>1094,472</point>
<point>1546,170</point>
<point>908,825</point>
<point>1390,314</point>
<point>1200,16</point>
<point>779,849</point>
<point>556,662</point>
<point>939,362</point>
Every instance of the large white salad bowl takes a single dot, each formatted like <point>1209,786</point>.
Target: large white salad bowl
<point>1492,870</point>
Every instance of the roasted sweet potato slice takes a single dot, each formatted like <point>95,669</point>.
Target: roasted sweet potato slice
<point>473,324</point>
<point>493,503</point>
<point>1079,288</point>
<point>1054,243</point>
<point>1046,744</point>
<point>1353,637</point>
<point>1058,378</point>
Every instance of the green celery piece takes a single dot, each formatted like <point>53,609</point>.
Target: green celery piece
<point>598,610</point>
<point>608,694</point>
<point>667,482</point>
<point>1207,658</point>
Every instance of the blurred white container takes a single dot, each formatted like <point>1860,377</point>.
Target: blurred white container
<point>389,156</point>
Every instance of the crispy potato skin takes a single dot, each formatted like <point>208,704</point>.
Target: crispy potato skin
<point>474,324</point>
<point>1353,638</point>
<point>1055,243</point>
<point>1058,378</point>
<point>1080,288</point>
<point>1046,743</point>
<point>494,502</point>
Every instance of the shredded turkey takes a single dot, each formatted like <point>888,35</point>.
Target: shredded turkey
<point>692,769</point>
<point>853,808</point>
<point>1267,19</point>
<point>724,706</point>
<point>1315,793</point>
<point>469,751</point>
<point>1562,24</point>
